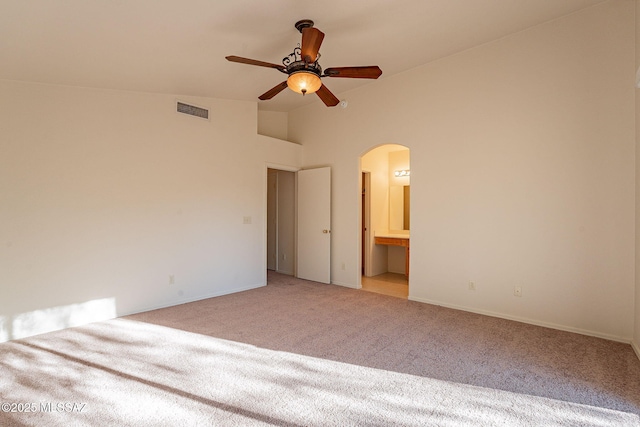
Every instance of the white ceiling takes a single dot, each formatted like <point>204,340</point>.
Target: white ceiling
<point>178,46</point>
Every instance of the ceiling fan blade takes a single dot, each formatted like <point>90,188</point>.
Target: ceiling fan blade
<point>241,60</point>
<point>311,41</point>
<point>327,97</point>
<point>273,91</point>
<point>372,72</point>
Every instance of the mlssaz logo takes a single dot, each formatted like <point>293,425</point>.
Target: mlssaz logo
<point>62,407</point>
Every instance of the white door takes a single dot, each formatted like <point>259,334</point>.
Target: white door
<point>314,224</point>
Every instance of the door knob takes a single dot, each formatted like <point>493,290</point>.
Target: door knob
<point>326,231</point>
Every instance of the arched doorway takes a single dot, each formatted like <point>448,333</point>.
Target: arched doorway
<point>385,219</point>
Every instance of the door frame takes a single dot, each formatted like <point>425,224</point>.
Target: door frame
<point>365,225</point>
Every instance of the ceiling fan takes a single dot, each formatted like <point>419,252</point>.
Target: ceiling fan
<point>303,69</point>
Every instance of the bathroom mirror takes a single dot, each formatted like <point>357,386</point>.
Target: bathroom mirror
<point>399,203</point>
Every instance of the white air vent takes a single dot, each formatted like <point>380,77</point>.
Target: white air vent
<point>192,110</point>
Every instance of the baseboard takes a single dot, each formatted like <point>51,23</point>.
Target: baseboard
<point>635,348</point>
<point>346,285</point>
<point>530,321</point>
<point>194,299</point>
<point>6,338</point>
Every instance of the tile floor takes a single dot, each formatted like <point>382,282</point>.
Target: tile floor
<point>393,284</point>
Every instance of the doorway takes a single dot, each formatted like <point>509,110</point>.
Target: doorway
<point>385,220</point>
<point>298,205</point>
<point>281,214</point>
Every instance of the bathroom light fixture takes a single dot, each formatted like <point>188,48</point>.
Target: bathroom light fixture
<point>401,173</point>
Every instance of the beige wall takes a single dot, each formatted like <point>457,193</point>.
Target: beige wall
<point>106,197</point>
<point>522,172</point>
<point>523,155</point>
<point>273,124</point>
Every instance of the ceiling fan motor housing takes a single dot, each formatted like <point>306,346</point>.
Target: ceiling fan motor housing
<point>297,66</point>
<point>303,23</point>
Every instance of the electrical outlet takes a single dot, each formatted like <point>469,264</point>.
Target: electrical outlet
<point>517,291</point>
<point>472,286</point>
<point>172,279</point>
<point>344,266</point>
<point>246,220</point>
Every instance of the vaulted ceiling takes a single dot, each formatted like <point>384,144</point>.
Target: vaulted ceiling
<point>179,47</point>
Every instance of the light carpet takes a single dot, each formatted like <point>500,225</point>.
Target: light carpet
<point>302,353</point>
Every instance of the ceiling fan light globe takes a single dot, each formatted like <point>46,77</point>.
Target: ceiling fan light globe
<point>304,82</point>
